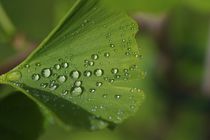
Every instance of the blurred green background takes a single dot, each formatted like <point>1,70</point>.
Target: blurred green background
<point>175,40</point>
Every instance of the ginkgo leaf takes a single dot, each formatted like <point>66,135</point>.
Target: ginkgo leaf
<point>87,70</point>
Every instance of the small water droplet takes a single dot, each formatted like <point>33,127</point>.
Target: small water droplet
<point>98,72</point>
<point>115,71</point>
<point>44,85</point>
<point>57,66</point>
<point>125,70</point>
<point>27,66</point>
<point>65,92</point>
<point>46,72</point>
<point>99,84</point>
<point>62,78</point>
<point>92,90</point>
<point>91,63</point>
<point>112,45</point>
<point>111,80</point>
<point>117,76</point>
<point>76,91</point>
<point>87,73</point>
<point>38,64</point>
<point>107,54</point>
<point>65,65</point>
<point>117,96</point>
<point>132,106</point>
<point>75,74</point>
<point>104,95</point>
<point>94,57</point>
<point>53,86</point>
<point>35,77</point>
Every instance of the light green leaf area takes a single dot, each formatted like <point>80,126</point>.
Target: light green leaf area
<point>87,70</point>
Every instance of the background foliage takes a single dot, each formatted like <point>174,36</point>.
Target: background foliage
<point>174,39</point>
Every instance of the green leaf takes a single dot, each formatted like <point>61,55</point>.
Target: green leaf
<point>20,118</point>
<point>87,71</point>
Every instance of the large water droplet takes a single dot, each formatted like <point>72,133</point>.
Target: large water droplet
<point>98,72</point>
<point>35,77</point>
<point>87,73</point>
<point>76,91</point>
<point>46,72</point>
<point>75,74</point>
<point>62,78</point>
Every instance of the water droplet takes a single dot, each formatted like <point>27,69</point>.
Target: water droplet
<point>53,86</point>
<point>14,76</point>
<point>27,66</point>
<point>127,54</point>
<point>94,57</point>
<point>65,92</point>
<point>112,45</point>
<point>87,73</point>
<point>106,54</point>
<point>132,106</point>
<point>62,78</point>
<point>38,64</point>
<point>125,70</point>
<point>111,80</point>
<point>78,83</point>
<point>91,63</point>
<point>92,90</point>
<point>46,72</point>
<point>117,96</point>
<point>76,91</point>
<point>110,117</point>
<point>75,74</point>
<point>98,72</point>
<point>35,77</point>
<point>99,84</point>
<point>44,85</point>
<point>65,65</point>
<point>132,90</point>
<point>105,95</point>
<point>115,71</point>
<point>57,66</point>
<point>117,76</point>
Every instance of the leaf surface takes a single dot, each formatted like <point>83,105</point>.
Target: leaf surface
<point>88,70</point>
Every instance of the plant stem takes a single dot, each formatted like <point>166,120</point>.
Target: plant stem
<point>5,24</point>
<point>2,79</point>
